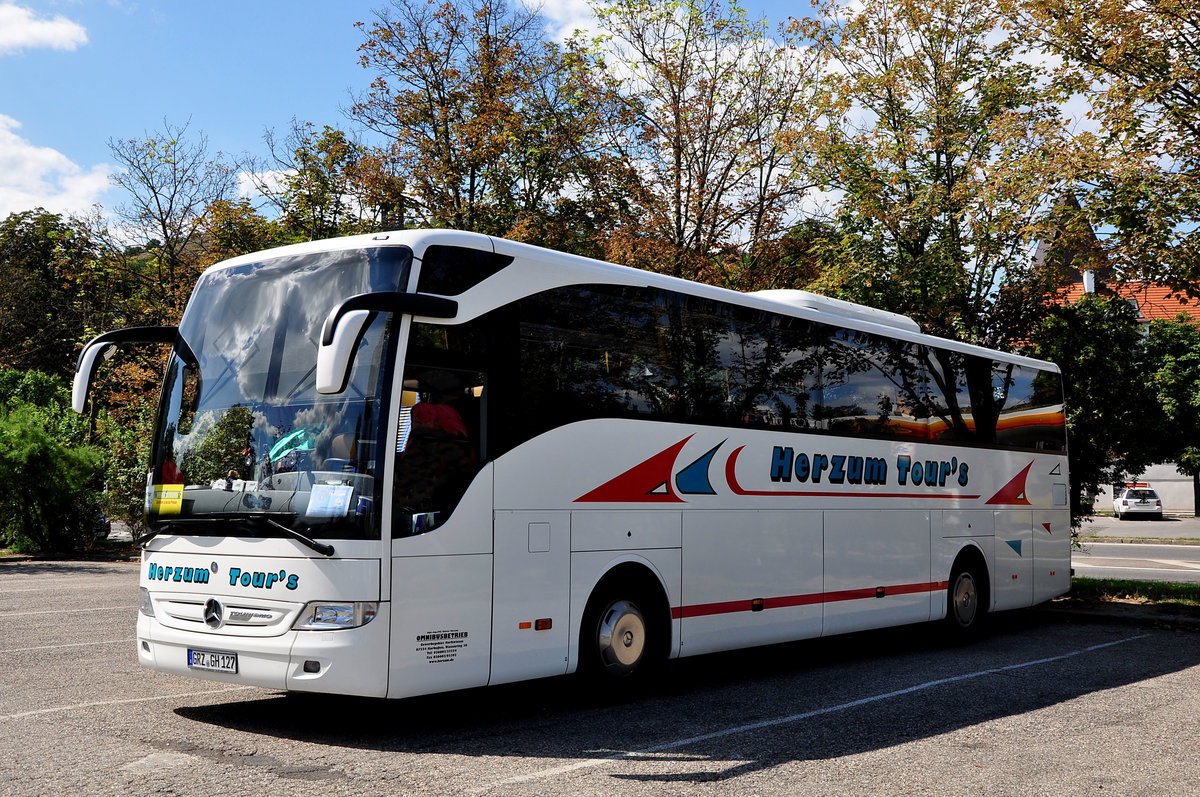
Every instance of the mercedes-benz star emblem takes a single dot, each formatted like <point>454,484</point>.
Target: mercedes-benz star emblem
<point>214,613</point>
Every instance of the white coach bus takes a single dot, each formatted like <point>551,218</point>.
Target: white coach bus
<point>397,464</point>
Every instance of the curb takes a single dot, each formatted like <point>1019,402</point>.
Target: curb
<point>1141,540</point>
<point>114,557</point>
<point>1118,614</point>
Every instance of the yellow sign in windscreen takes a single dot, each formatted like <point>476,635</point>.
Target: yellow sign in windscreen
<point>167,499</point>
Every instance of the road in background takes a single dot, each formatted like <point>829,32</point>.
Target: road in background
<point>1144,550</point>
<point>1041,705</point>
<point>1169,528</point>
<point>1138,561</point>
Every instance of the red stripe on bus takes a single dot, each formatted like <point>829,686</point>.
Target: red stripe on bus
<point>784,601</point>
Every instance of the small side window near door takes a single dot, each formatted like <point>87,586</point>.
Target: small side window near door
<point>439,445</point>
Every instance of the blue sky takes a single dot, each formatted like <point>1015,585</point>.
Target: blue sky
<point>74,73</point>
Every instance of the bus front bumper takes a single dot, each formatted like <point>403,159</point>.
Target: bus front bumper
<point>350,661</point>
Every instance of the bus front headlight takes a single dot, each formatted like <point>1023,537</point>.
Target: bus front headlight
<point>330,615</point>
<point>147,606</point>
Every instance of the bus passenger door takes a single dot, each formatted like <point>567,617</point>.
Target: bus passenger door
<point>531,608</point>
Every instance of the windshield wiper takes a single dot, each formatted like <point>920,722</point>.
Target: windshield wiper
<point>319,547</point>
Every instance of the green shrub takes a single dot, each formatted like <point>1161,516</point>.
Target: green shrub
<point>126,440</point>
<point>49,397</point>
<point>51,487</point>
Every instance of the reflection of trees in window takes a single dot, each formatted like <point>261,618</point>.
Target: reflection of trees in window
<point>987,401</point>
<point>576,353</point>
<point>873,385</point>
<point>587,354</point>
<point>694,328</point>
<point>970,391</point>
<point>774,364</point>
<point>220,450</point>
<point>751,355</point>
<point>1032,416</point>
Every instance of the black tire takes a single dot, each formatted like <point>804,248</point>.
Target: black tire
<point>967,597</point>
<point>619,638</point>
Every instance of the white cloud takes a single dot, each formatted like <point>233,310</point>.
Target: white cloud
<point>249,184</point>
<point>564,17</point>
<point>21,30</point>
<point>32,176</point>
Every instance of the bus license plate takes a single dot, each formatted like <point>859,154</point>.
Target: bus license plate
<point>212,660</point>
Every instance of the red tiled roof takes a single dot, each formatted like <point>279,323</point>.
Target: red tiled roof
<point>1154,302</point>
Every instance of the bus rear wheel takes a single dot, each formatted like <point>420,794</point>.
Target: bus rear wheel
<point>967,599</point>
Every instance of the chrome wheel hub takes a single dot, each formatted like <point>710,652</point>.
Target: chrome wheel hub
<point>965,599</point>
<point>621,637</point>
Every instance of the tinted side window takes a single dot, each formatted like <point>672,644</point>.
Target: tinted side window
<point>873,386</point>
<point>950,401</point>
<point>1032,413</point>
<point>771,365</point>
<point>629,352</point>
<point>591,353</point>
<point>979,400</point>
<point>582,352</point>
<point>451,270</point>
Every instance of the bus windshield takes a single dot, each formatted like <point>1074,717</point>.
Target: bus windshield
<point>242,434</point>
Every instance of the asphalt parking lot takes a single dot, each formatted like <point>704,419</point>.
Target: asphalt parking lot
<point>1046,704</point>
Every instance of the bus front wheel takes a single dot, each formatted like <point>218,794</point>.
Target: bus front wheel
<point>620,638</point>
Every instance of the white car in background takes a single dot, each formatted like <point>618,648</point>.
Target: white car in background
<point>1141,501</point>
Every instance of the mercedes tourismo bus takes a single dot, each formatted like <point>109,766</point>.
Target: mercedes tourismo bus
<point>396,464</point>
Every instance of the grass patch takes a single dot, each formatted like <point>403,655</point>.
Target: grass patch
<point>111,550</point>
<point>1147,593</point>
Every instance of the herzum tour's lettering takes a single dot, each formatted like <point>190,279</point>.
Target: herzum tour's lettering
<point>819,468</point>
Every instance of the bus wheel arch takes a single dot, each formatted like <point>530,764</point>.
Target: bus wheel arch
<point>626,627</point>
<point>968,594</point>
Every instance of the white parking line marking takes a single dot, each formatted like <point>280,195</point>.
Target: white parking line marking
<point>72,645</point>
<point>68,611</point>
<point>1081,566</point>
<point>126,701</point>
<point>1182,563</point>
<point>770,723</point>
<point>6,591</point>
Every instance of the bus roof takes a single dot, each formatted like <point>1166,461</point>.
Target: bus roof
<point>559,269</point>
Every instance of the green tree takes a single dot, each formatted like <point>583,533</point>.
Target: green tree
<point>1112,415</point>
<point>313,180</point>
<point>719,112</point>
<point>52,482</point>
<point>234,227</point>
<point>943,148</point>
<point>492,128</point>
<point>48,298</point>
<point>1173,360</point>
<point>49,399</point>
<point>1137,66</point>
<point>171,181</point>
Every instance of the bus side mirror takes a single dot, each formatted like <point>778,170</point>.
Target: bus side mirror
<point>85,371</point>
<point>346,323</point>
<point>335,357</point>
<point>104,344</point>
